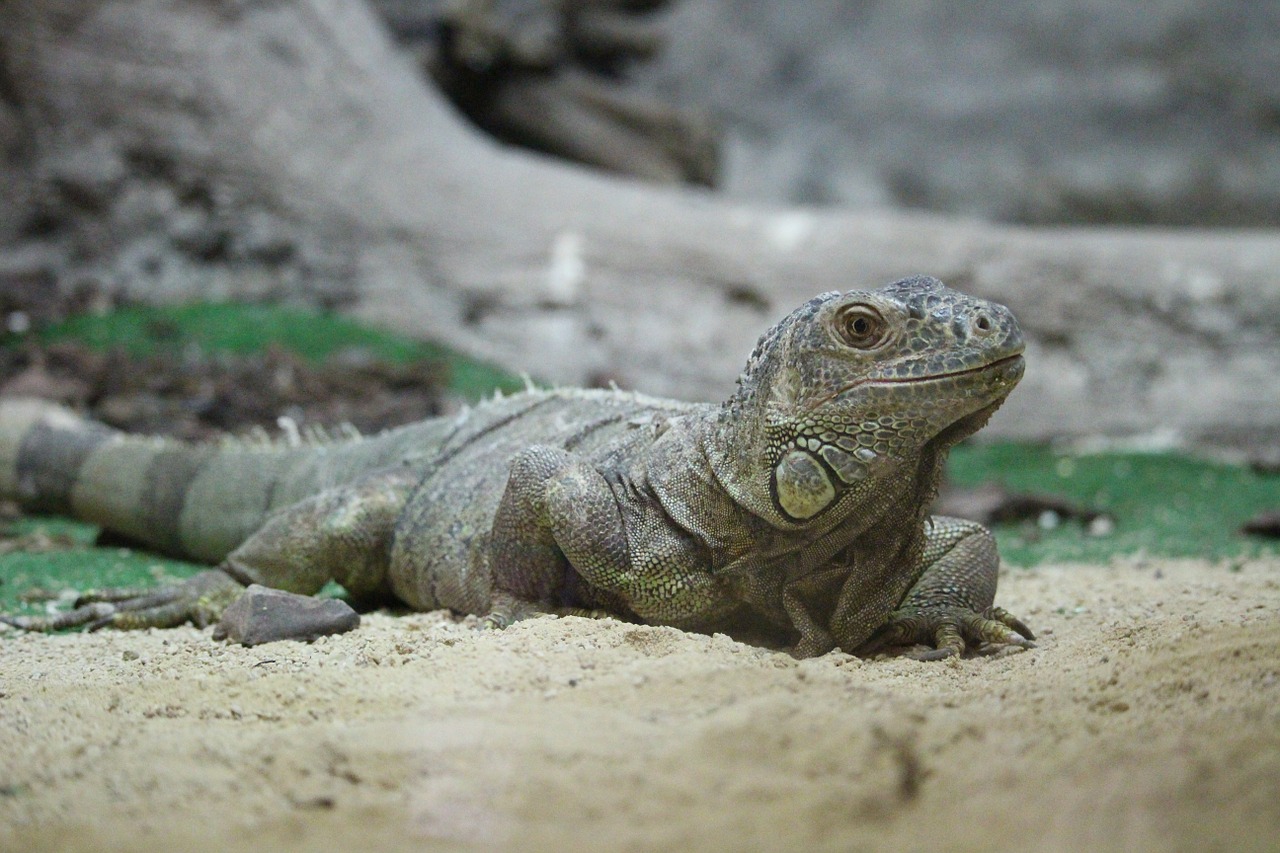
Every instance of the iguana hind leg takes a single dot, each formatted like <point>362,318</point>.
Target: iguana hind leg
<point>340,534</point>
<point>952,604</point>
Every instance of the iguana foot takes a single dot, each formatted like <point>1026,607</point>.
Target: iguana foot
<point>950,630</point>
<point>199,599</point>
<point>506,610</point>
<point>588,613</point>
<point>499,619</point>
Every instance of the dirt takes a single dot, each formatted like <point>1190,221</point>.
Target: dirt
<point>186,392</point>
<point>198,395</point>
<point>1147,718</point>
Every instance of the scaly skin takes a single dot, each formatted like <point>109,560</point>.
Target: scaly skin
<point>795,513</point>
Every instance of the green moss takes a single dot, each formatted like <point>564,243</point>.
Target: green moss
<point>27,573</point>
<point>237,328</point>
<point>1164,504</point>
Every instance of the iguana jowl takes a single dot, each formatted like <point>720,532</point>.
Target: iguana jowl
<point>795,513</point>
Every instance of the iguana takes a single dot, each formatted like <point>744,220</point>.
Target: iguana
<point>795,513</point>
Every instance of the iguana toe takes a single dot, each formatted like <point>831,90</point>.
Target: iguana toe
<point>199,599</point>
<point>81,615</point>
<point>506,609</point>
<point>1003,616</point>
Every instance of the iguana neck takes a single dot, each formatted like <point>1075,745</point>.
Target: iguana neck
<point>735,442</point>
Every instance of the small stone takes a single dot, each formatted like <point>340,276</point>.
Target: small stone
<point>1263,524</point>
<point>1101,525</point>
<point>263,615</point>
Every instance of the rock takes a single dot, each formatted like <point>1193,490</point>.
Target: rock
<point>1263,524</point>
<point>263,615</point>
<point>993,504</point>
<point>1264,459</point>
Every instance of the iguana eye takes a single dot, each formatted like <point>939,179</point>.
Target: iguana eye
<point>861,326</point>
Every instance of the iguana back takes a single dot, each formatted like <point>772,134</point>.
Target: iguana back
<point>202,500</point>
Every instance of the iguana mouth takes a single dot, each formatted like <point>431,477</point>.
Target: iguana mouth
<point>1007,361</point>
<point>981,368</point>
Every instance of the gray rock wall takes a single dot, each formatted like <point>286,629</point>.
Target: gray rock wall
<point>1041,111</point>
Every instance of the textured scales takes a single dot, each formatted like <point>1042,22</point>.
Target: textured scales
<point>795,513</point>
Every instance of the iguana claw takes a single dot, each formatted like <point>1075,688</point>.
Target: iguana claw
<point>949,631</point>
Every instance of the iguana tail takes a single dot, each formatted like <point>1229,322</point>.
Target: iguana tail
<point>52,460</point>
<point>43,447</point>
<point>193,500</point>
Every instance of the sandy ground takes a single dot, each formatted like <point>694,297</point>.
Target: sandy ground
<point>1147,718</point>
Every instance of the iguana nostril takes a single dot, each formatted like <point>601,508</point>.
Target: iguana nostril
<point>982,324</point>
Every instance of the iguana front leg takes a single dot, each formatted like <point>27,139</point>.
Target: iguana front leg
<point>952,604</point>
<point>557,515</point>
<point>560,545</point>
<point>340,534</point>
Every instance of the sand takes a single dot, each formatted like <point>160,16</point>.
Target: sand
<point>1148,718</point>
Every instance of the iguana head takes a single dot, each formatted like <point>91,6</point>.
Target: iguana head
<point>854,384</point>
